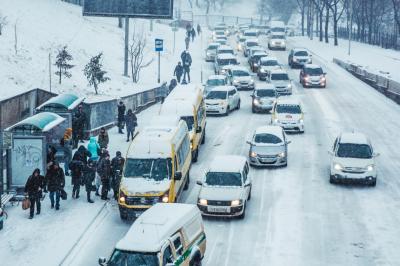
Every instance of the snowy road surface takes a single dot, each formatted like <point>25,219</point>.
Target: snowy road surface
<point>295,217</point>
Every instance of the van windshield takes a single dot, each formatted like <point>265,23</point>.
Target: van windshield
<point>125,258</point>
<point>223,179</point>
<point>156,169</point>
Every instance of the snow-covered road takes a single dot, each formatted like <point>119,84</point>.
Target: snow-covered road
<point>295,216</point>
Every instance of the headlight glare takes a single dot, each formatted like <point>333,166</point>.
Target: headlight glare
<point>253,154</point>
<point>202,201</point>
<point>165,199</point>
<point>338,167</point>
<point>235,203</point>
<point>370,168</point>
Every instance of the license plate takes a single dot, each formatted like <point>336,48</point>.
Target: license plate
<point>218,209</point>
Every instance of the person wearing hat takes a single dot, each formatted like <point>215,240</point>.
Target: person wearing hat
<point>33,190</point>
<point>121,116</point>
<point>104,170</point>
<point>131,123</point>
<point>89,175</point>
<point>55,182</point>
<point>117,165</point>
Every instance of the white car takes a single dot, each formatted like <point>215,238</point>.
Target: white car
<point>222,100</point>
<point>215,81</point>
<point>281,80</point>
<point>218,33</point>
<point>288,114</point>
<point>241,78</point>
<point>211,51</point>
<point>225,49</point>
<point>226,187</point>
<point>247,44</point>
<point>353,160</point>
<point>277,42</point>
<point>266,64</point>
<point>298,57</point>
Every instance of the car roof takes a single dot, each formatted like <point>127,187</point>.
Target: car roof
<point>274,130</point>
<point>252,40</point>
<point>278,71</point>
<point>268,58</point>
<point>265,86</point>
<point>260,53</point>
<point>225,47</point>
<point>299,49</point>
<point>312,66</point>
<point>257,48</point>
<point>213,43</point>
<point>217,77</point>
<point>149,232</point>
<point>354,137</point>
<point>226,56</point>
<point>227,163</point>
<point>251,31</point>
<point>242,68</point>
<point>288,101</point>
<point>222,88</point>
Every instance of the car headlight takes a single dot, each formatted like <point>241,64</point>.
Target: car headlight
<point>289,86</point>
<point>255,64</point>
<point>223,71</point>
<point>256,101</point>
<point>276,120</point>
<point>253,154</point>
<point>323,79</point>
<point>208,54</point>
<point>235,203</point>
<point>282,155</point>
<point>122,197</point>
<point>309,60</point>
<point>236,81</point>
<point>262,70</point>
<point>337,167</point>
<point>251,81</point>
<point>294,59</point>
<point>165,198</point>
<point>203,202</point>
<point>283,42</point>
<point>370,168</point>
<point>301,121</point>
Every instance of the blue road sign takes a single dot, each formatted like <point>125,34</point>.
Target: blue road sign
<point>159,45</point>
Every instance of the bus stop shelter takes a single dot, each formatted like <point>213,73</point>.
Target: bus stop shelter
<point>63,105</point>
<point>30,139</point>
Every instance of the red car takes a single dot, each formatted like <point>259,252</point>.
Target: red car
<point>312,76</point>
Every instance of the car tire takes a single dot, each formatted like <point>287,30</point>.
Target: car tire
<point>332,180</point>
<point>253,110</point>
<point>124,216</point>
<point>203,139</point>
<point>227,111</point>
<point>249,197</point>
<point>238,106</point>
<point>196,155</point>
<point>243,215</point>
<point>373,183</point>
<point>186,187</point>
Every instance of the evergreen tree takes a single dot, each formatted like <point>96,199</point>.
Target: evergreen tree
<point>62,63</point>
<point>94,73</point>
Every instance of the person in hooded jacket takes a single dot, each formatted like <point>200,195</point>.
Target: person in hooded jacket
<point>121,116</point>
<point>131,123</point>
<point>82,154</point>
<point>93,147</point>
<point>89,174</point>
<point>103,139</point>
<point>76,167</point>
<point>117,165</point>
<point>178,71</point>
<point>55,182</point>
<point>104,170</point>
<point>33,190</point>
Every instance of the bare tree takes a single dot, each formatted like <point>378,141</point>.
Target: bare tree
<point>396,10</point>
<point>320,6</point>
<point>136,55</point>
<point>302,4</point>
<point>3,23</point>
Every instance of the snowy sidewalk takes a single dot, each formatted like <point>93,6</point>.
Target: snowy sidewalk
<point>372,57</point>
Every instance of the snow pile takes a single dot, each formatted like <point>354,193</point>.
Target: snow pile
<point>44,26</point>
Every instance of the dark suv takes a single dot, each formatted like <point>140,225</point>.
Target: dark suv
<point>312,76</point>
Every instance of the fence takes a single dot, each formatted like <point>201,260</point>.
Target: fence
<point>382,39</point>
<point>380,81</point>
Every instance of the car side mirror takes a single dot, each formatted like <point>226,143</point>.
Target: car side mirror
<point>198,130</point>
<point>324,73</point>
<point>102,261</point>
<point>199,182</point>
<point>247,184</point>
<point>288,142</point>
<point>377,154</point>
<point>178,176</point>
<point>249,142</point>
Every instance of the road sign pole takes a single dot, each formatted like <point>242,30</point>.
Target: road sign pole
<point>159,59</point>
<point>126,46</point>
<point>174,40</point>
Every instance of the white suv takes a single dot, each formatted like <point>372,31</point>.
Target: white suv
<point>353,160</point>
<point>222,100</point>
<point>226,187</point>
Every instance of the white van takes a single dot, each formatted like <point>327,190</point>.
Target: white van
<point>166,234</point>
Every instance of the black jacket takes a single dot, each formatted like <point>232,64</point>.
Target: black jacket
<point>121,112</point>
<point>76,168</point>
<point>82,154</point>
<point>55,179</point>
<point>178,70</point>
<point>34,185</point>
<point>89,174</point>
<point>117,163</point>
<point>104,168</point>
<point>131,121</point>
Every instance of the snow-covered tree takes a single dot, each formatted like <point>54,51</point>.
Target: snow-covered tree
<point>3,22</point>
<point>94,72</point>
<point>62,63</point>
<point>137,55</point>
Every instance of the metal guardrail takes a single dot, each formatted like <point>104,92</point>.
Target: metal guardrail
<point>380,81</point>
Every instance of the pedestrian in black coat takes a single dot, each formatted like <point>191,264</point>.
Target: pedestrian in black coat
<point>55,182</point>
<point>33,190</point>
<point>76,167</point>
<point>117,165</point>
<point>187,41</point>
<point>121,116</point>
<point>78,125</point>
<point>82,154</point>
<point>104,170</point>
<point>131,123</point>
<point>89,175</point>
<point>193,33</point>
<point>198,29</point>
<point>187,62</point>
<point>178,71</point>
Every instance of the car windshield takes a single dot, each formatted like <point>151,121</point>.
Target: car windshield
<point>219,33</point>
<point>225,62</point>
<point>269,63</point>
<point>223,179</point>
<point>156,169</point>
<point>251,44</point>
<point>124,258</point>
<point>257,57</point>
<point>280,76</point>
<point>217,95</point>
<point>216,82</point>
<point>301,53</point>
<point>267,138</point>
<point>278,29</point>
<point>350,150</point>
<point>314,71</point>
<point>288,109</point>
<point>266,93</point>
<point>240,73</point>
<point>252,34</point>
<point>278,37</point>
<point>212,47</point>
<point>227,51</point>
<point>242,39</point>
<point>189,121</point>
